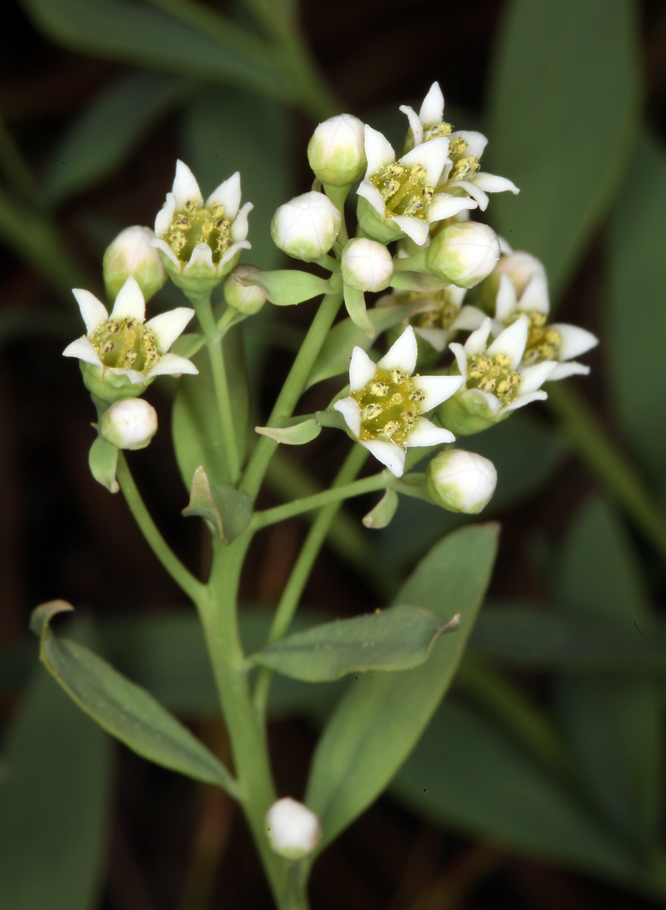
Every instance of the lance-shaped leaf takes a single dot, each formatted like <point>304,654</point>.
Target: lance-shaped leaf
<point>226,510</point>
<point>297,435</point>
<point>355,303</point>
<point>383,512</point>
<point>103,458</point>
<point>395,639</point>
<point>286,287</point>
<point>123,709</point>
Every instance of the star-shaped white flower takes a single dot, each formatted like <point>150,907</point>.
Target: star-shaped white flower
<point>462,169</point>
<point>200,239</point>
<point>402,193</point>
<point>559,341</point>
<point>386,402</point>
<point>120,345</point>
<point>441,313</point>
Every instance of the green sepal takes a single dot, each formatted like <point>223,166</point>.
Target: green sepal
<point>226,511</point>
<point>296,435</point>
<point>103,458</point>
<point>287,287</point>
<point>371,225</point>
<point>383,512</point>
<point>355,303</point>
<point>109,387</point>
<point>195,283</point>
<point>333,419</point>
<point>468,415</point>
<point>398,638</point>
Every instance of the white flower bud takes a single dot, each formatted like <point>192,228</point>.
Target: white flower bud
<point>306,227</point>
<point>461,481</point>
<point>293,830</point>
<point>521,268</point>
<point>131,254</point>
<point>366,265</point>
<point>129,423</point>
<point>464,253</point>
<point>336,152</point>
<point>247,299</point>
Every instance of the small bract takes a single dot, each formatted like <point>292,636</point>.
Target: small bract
<point>461,481</point>
<point>336,152</point>
<point>129,423</point>
<point>131,253</point>
<point>307,226</point>
<point>293,830</point>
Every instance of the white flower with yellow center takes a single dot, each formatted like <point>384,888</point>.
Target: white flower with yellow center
<point>559,341</point>
<point>398,197</point>
<point>120,354</point>
<point>201,242</point>
<point>441,313</point>
<point>462,171</point>
<point>384,408</point>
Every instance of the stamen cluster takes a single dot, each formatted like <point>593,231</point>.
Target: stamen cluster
<point>493,374</point>
<point>405,190</point>
<point>389,406</point>
<point>195,224</point>
<point>544,342</point>
<point>125,343</point>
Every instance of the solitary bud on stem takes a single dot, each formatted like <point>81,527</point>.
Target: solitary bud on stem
<point>366,265</point>
<point>464,253</point>
<point>460,481</point>
<point>131,254</point>
<point>306,227</point>
<point>293,830</point>
<point>247,299</point>
<point>336,153</point>
<point>129,423</point>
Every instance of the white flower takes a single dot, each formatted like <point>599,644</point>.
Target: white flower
<point>201,241</point>
<point>400,195</point>
<point>122,353</point>
<point>293,830</point>
<point>384,408</point>
<point>246,298</point>
<point>559,341</point>
<point>461,481</point>
<point>521,267</point>
<point>464,253</point>
<point>335,151</point>
<point>307,226</point>
<point>366,265</point>
<point>462,170</point>
<point>441,313</point>
<point>129,423</point>
<point>131,254</point>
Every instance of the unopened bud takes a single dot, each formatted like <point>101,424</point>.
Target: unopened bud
<point>366,265</point>
<point>247,299</point>
<point>131,254</point>
<point>129,423</point>
<point>306,227</point>
<point>293,830</point>
<point>521,268</point>
<point>336,152</point>
<point>460,481</point>
<point>464,253</point>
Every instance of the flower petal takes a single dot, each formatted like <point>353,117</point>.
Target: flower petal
<point>415,228</point>
<point>93,311</point>
<point>129,302</point>
<point>201,260</point>
<point>535,296</point>
<point>83,349</point>
<point>575,341</point>
<point>505,246</point>
<point>425,433</point>
<point>361,370</point>
<point>231,252</point>
<point>134,376</point>
<point>378,151</point>
<point>476,142</point>
<point>570,368</point>
<point>414,123</point>
<point>432,109</point>
<point>168,326</point>
<point>430,155</point>
<point>505,302</point>
<point>511,342</point>
<point>185,187</point>
<point>474,191</point>
<point>436,338</point>
<point>166,250</point>
<point>436,389</point>
<point>228,194</point>
<point>491,183</point>
<point>402,354</point>
<point>522,400</point>
<point>444,205</point>
<point>239,228</point>
<point>350,410</point>
<point>370,192</point>
<point>461,359</point>
<point>390,455</point>
<point>477,341</point>
<point>468,319</point>
<point>165,215</point>
<point>170,364</point>
<point>532,378</point>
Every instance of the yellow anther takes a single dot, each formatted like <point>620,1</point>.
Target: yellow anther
<point>502,360</point>
<point>380,389</point>
<point>397,398</point>
<point>434,132</point>
<point>371,410</point>
<point>457,148</point>
<point>398,376</point>
<point>390,428</point>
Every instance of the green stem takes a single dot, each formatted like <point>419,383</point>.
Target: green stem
<point>194,589</point>
<point>291,391</point>
<point>589,439</point>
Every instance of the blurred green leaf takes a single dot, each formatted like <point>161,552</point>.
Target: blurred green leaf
<point>122,708</point>
<point>382,715</point>
<point>54,803</point>
<point>224,132</point>
<point>636,315</point>
<point>565,94</point>
<point>104,136</point>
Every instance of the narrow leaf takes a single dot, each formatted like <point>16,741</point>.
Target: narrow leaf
<point>297,435</point>
<point>202,504</point>
<point>355,303</point>
<point>383,512</point>
<point>287,287</point>
<point>102,459</point>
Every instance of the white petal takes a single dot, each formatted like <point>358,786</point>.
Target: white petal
<point>129,302</point>
<point>505,246</point>
<point>486,398</point>
<point>414,123</point>
<point>227,194</point>
<point>378,151</point>
<point>165,216</point>
<point>230,253</point>
<point>83,349</point>
<point>575,341</point>
<point>164,248</point>
<point>402,354</point>
<point>361,370</point>
<point>437,338</point>
<point>469,319</point>
<point>511,342</point>
<point>431,155</point>
<point>535,296</point>
<point>201,259</point>
<point>390,455</point>
<point>570,368</point>
<point>506,302</point>
<point>169,364</point>
<point>425,433</point>
<point>350,410</point>
<point>456,295</point>
<point>522,400</point>
<point>134,376</point>
<point>493,184</point>
<point>476,142</point>
<point>474,191</point>
<point>444,205</point>
<point>93,310</point>
<point>532,378</point>
<point>415,228</point>
<point>461,358</point>
<point>239,228</point>
<point>185,187</point>
<point>370,192</point>
<point>168,326</point>
<point>432,109</point>
<point>477,341</point>
<point>437,389</point>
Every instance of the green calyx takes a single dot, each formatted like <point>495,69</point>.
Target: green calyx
<point>390,405</point>
<point>466,415</point>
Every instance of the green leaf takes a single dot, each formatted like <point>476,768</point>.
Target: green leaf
<point>382,715</point>
<point>102,459</point>
<point>297,435</point>
<point>355,304</point>
<point>382,514</point>
<point>287,287</point>
<point>226,510</point>
<point>102,139</point>
<point>122,708</point>
<point>399,638</point>
<point>564,113</point>
<point>54,803</point>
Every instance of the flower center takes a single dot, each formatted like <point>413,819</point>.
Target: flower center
<point>405,190</point>
<point>126,343</point>
<point>390,404</point>
<point>440,315</point>
<point>197,224</point>
<point>435,132</point>
<point>494,375</point>
<point>543,341</point>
